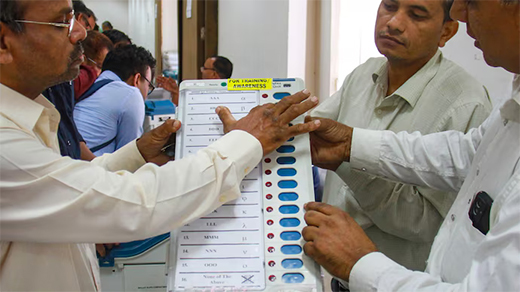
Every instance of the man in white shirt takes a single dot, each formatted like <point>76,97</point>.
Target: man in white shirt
<point>53,208</point>
<point>413,88</point>
<point>478,245</point>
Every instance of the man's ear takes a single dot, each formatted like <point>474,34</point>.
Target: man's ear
<point>449,29</point>
<point>135,79</point>
<point>6,56</point>
<point>80,18</point>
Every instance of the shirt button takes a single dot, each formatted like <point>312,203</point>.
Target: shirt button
<point>363,169</point>
<point>68,142</point>
<point>452,217</point>
<point>379,112</point>
<point>505,122</point>
<point>478,171</point>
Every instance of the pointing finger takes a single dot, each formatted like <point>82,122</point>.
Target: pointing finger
<point>296,110</point>
<point>226,117</point>
<point>286,102</point>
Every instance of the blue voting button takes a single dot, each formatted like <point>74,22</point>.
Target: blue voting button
<point>286,172</point>
<point>290,235</point>
<point>290,222</point>
<point>280,95</point>
<point>293,278</point>
<point>288,197</point>
<point>287,184</point>
<point>289,209</point>
<point>292,263</point>
<point>285,149</point>
<point>291,249</point>
<point>286,160</point>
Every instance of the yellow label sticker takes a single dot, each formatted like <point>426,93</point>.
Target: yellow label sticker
<point>250,84</point>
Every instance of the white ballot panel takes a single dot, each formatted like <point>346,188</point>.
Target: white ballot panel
<point>253,243</point>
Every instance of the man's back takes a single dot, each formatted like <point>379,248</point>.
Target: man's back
<point>115,111</point>
<point>401,219</point>
<point>62,96</point>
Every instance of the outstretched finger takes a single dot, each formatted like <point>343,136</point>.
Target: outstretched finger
<point>319,207</point>
<point>296,110</point>
<point>224,114</point>
<point>315,218</point>
<point>166,129</point>
<point>286,102</point>
<point>299,129</point>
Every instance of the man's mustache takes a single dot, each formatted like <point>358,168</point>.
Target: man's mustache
<point>76,54</point>
<point>388,35</point>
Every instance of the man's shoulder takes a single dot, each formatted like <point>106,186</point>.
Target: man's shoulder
<point>114,92</point>
<point>449,70</point>
<point>453,80</point>
<point>363,73</point>
<point>371,65</point>
<point>6,122</point>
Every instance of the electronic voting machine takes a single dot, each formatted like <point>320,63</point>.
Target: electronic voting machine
<point>253,243</point>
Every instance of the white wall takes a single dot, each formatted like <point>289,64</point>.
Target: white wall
<point>170,32</point>
<point>253,34</point>
<point>141,28</point>
<point>136,18</point>
<point>297,39</point>
<point>115,11</point>
<point>356,35</point>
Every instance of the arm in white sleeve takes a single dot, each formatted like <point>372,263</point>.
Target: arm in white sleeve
<point>50,198</point>
<point>495,264</point>
<point>438,160</point>
<point>385,201</point>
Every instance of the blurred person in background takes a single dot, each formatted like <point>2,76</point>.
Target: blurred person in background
<point>217,67</point>
<point>96,46</point>
<point>106,25</point>
<point>84,15</point>
<point>118,37</point>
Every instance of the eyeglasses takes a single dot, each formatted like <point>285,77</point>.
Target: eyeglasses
<point>95,63</point>
<point>204,68</point>
<point>70,21</point>
<point>151,87</point>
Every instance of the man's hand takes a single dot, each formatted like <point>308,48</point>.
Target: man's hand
<point>330,143</point>
<point>334,240</point>
<point>269,123</point>
<point>151,143</point>
<point>169,85</point>
<point>103,248</point>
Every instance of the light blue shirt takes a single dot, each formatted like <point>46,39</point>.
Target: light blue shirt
<point>115,110</point>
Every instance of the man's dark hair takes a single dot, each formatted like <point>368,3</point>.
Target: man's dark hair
<point>107,23</point>
<point>117,36</point>
<point>9,12</point>
<point>223,67</point>
<point>128,60</point>
<point>447,7</point>
<point>80,7</point>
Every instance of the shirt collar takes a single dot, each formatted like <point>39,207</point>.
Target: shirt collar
<point>21,109</point>
<point>107,74</point>
<point>511,108</point>
<point>413,88</point>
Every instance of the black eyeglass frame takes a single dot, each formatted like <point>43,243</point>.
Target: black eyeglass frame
<point>150,84</point>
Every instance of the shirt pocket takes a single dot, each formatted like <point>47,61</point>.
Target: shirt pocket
<point>463,243</point>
